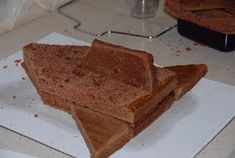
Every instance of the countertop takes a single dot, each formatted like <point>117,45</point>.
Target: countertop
<point>169,49</point>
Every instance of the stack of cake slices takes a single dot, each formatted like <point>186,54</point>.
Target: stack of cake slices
<point>113,93</point>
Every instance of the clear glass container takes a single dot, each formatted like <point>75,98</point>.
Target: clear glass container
<point>143,8</point>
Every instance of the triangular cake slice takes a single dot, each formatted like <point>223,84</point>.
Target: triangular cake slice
<point>149,118</point>
<point>187,77</point>
<point>103,134</point>
<point>130,66</point>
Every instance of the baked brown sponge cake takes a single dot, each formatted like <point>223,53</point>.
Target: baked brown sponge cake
<point>114,61</point>
<point>103,134</point>
<point>57,73</point>
<point>193,5</point>
<point>187,77</point>
<point>108,109</point>
<point>219,20</point>
<point>39,58</point>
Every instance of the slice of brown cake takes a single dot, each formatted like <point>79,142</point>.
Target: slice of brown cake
<point>103,134</point>
<point>149,118</point>
<point>187,77</point>
<point>38,59</point>
<point>130,66</point>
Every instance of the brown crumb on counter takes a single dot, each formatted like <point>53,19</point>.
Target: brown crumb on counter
<point>36,115</point>
<point>227,69</point>
<point>14,97</point>
<point>5,67</point>
<point>178,51</point>
<point>17,61</point>
<point>188,49</point>
<point>23,78</point>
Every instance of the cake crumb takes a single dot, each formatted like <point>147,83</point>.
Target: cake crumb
<point>227,69</point>
<point>23,78</point>
<point>177,51</point>
<point>17,61</point>
<point>14,97</point>
<point>36,115</point>
<point>177,55</point>
<point>188,49</point>
<point>143,144</point>
<point>5,67</point>
<point>66,80</point>
<point>33,99</point>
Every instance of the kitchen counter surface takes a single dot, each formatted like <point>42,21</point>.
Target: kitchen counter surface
<point>169,49</point>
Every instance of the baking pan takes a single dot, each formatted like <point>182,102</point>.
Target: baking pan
<point>217,40</point>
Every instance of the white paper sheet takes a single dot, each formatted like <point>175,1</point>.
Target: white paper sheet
<point>180,132</point>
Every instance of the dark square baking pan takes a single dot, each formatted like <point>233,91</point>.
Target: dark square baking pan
<point>217,40</point>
